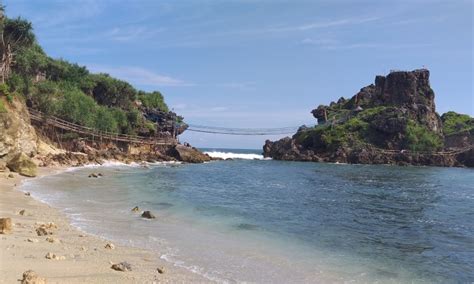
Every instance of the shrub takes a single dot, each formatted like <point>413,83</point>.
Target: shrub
<point>454,123</point>
<point>3,109</point>
<point>153,100</point>
<point>105,121</point>
<point>355,124</point>
<point>419,138</point>
<point>4,89</point>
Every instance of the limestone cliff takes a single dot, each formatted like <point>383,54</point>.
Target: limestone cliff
<point>16,133</point>
<point>393,120</point>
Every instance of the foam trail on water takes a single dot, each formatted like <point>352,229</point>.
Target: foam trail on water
<point>230,155</point>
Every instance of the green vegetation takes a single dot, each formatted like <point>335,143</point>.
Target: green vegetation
<point>332,136</point>
<point>153,100</point>
<point>69,91</point>
<point>3,109</point>
<point>371,112</point>
<point>454,123</point>
<point>420,139</point>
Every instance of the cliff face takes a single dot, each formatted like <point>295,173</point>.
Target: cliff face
<point>393,120</point>
<point>16,133</point>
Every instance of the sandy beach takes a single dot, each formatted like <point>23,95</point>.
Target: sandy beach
<point>81,258</point>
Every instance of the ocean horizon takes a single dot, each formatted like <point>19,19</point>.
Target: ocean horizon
<point>252,219</point>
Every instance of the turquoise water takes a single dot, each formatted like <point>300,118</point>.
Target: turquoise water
<point>282,222</point>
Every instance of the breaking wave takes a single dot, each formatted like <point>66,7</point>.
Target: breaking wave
<point>230,155</point>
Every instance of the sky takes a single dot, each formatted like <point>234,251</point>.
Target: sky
<point>260,64</point>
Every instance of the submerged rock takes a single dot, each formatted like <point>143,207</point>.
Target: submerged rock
<point>148,215</point>
<point>122,266</point>
<point>135,209</point>
<point>23,165</point>
<point>5,225</point>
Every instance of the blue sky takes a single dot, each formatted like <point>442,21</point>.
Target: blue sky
<point>260,63</point>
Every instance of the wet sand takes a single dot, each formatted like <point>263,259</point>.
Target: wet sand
<point>83,258</point>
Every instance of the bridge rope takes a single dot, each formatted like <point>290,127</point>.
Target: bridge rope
<point>242,131</point>
<point>91,132</point>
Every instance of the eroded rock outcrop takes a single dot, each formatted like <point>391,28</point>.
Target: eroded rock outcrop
<point>16,133</point>
<point>188,154</point>
<point>392,121</point>
<point>23,165</point>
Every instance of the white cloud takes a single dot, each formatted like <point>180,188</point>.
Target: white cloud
<point>323,24</point>
<point>332,44</point>
<point>319,41</point>
<point>140,76</point>
<point>132,33</point>
<point>243,86</point>
<point>219,109</point>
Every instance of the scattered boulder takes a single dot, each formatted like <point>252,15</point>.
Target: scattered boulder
<point>23,165</point>
<point>189,154</point>
<point>5,225</point>
<point>53,256</point>
<point>110,246</point>
<point>148,215</point>
<point>10,175</point>
<point>52,240</point>
<point>93,175</point>
<point>22,212</point>
<point>161,270</point>
<point>41,231</point>
<point>31,277</point>
<point>3,167</point>
<point>122,266</point>
<point>45,229</point>
<point>135,209</point>
<point>30,240</point>
<point>27,194</point>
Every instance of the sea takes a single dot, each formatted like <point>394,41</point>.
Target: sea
<point>250,219</point>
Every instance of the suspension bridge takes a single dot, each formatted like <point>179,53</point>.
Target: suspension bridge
<point>169,139</point>
<point>242,131</point>
<point>160,139</point>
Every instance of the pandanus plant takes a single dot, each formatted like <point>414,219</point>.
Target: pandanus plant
<point>14,34</point>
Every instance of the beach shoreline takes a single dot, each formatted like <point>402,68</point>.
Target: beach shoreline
<point>85,257</point>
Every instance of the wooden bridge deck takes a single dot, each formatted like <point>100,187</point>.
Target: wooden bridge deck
<point>96,134</point>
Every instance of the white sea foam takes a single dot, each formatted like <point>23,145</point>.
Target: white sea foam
<point>230,155</point>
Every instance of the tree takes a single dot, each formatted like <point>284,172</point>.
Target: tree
<point>14,35</point>
<point>29,62</point>
<point>111,92</point>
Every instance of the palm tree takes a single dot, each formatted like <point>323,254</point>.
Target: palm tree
<point>14,34</point>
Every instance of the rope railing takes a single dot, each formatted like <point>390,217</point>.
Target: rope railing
<point>106,135</point>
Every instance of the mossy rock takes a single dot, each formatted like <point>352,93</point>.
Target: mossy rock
<point>23,165</point>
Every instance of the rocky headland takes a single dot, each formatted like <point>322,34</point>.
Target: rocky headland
<point>393,121</point>
<point>26,145</point>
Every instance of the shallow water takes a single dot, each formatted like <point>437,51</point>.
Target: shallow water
<point>281,222</point>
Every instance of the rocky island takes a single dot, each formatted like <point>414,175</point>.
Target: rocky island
<point>393,121</point>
